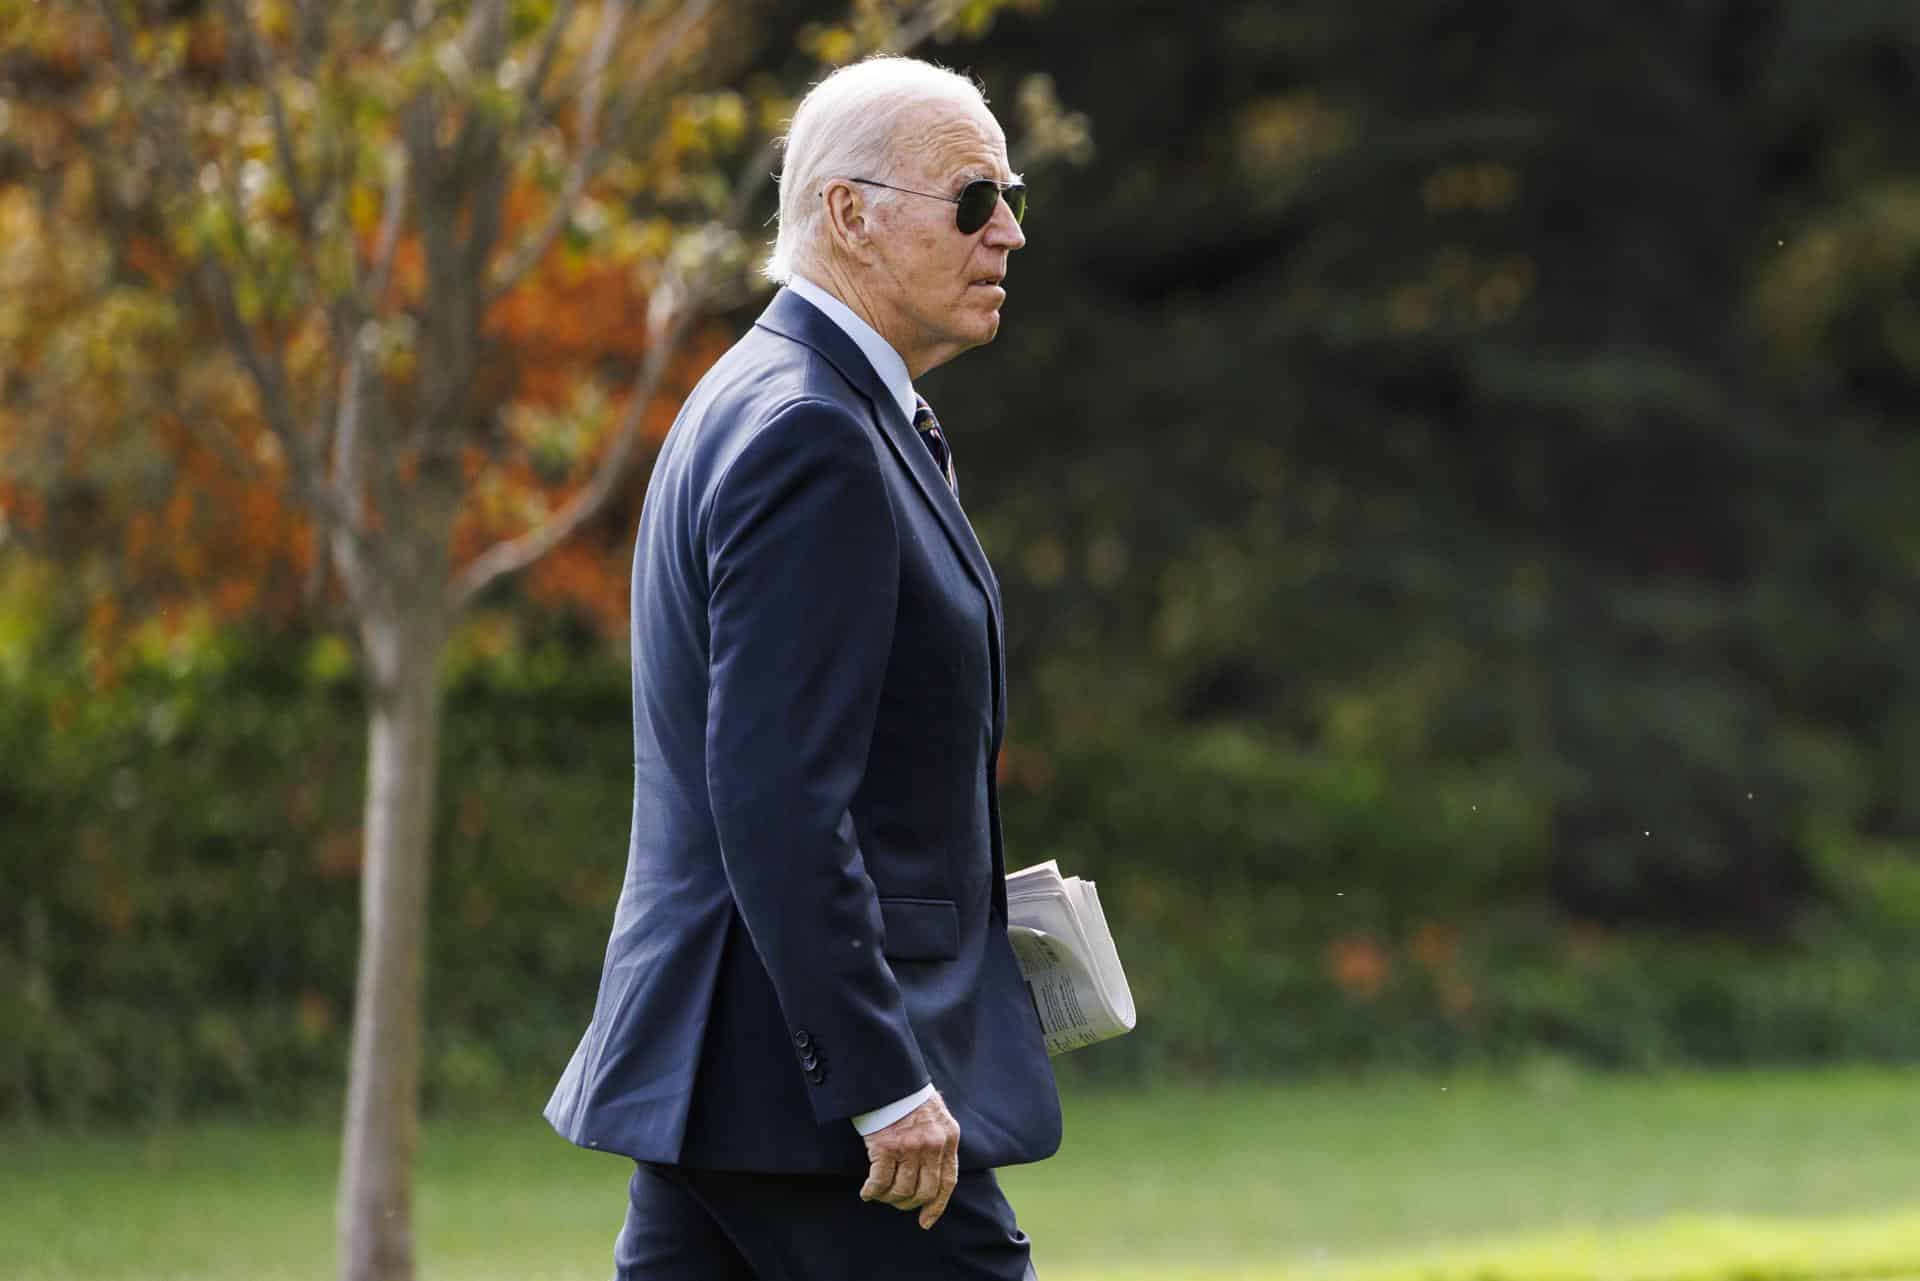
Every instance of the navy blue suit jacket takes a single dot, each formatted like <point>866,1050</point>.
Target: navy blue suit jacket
<point>813,922</point>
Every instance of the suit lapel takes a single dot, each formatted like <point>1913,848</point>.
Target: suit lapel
<point>792,316</point>
<point>953,518</point>
<point>933,487</point>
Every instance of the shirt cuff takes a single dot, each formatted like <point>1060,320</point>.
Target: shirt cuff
<point>880,1118</point>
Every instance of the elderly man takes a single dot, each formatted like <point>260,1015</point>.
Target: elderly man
<point>811,1033</point>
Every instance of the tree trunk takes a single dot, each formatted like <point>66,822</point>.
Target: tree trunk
<point>383,1086</point>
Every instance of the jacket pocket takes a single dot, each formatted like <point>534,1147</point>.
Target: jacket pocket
<point>920,929</point>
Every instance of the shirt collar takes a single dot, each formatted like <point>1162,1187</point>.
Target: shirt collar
<point>879,352</point>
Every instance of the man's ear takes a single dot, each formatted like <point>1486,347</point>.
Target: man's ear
<point>849,220</point>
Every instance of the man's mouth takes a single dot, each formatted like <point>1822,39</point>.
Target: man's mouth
<point>990,281</point>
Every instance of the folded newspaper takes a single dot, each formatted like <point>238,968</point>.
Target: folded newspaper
<point>1060,936</point>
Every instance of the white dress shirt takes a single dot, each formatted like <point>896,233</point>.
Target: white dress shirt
<point>893,373</point>
<point>879,352</point>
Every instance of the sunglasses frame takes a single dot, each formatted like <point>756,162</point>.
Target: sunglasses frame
<point>1008,191</point>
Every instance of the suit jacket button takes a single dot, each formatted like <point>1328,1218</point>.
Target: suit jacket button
<point>802,1039</point>
<point>817,1075</point>
<point>810,1061</point>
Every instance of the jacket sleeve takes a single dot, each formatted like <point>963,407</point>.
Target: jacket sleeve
<point>803,581</point>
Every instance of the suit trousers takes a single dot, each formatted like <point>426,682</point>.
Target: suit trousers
<point>711,1225</point>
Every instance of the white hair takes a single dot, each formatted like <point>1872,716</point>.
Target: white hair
<point>845,128</point>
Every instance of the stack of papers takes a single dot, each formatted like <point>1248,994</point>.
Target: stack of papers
<point>1060,935</point>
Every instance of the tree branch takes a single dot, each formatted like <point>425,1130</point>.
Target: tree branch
<point>910,35</point>
<point>549,50</point>
<point>484,38</point>
<point>277,113</point>
<point>221,445</point>
<point>157,125</point>
<point>572,85</point>
<point>351,550</point>
<point>596,145</point>
<point>346,440</point>
<point>309,29</point>
<point>482,44</point>
<point>388,241</point>
<point>515,554</point>
<point>587,157</point>
<point>348,315</point>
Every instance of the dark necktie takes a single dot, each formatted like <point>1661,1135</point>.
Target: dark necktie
<point>928,428</point>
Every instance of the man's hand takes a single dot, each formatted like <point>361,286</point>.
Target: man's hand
<point>915,1161</point>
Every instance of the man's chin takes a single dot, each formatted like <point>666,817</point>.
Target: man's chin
<point>981,330</point>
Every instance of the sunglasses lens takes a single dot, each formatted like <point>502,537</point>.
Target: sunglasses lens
<point>976,206</point>
<point>978,201</point>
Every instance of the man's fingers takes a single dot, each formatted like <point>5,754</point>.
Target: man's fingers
<point>931,1215</point>
<point>879,1178</point>
<point>906,1180</point>
<point>949,1179</point>
<point>932,1177</point>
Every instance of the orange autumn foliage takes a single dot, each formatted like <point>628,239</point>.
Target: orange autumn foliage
<point>148,460</point>
<point>1359,965</point>
<point>569,321</point>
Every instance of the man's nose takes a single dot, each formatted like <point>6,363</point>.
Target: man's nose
<point>1003,230</point>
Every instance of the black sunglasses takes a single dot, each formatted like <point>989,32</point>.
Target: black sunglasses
<point>977,200</point>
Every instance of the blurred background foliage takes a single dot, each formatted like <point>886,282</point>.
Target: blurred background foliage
<point>1451,467</point>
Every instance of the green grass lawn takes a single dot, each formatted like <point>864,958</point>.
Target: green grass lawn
<point>1743,1178</point>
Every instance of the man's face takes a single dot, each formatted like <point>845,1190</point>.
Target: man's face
<point>943,287</point>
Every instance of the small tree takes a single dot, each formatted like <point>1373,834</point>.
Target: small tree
<point>372,305</point>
